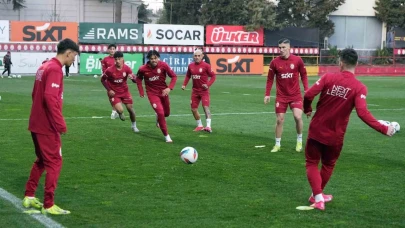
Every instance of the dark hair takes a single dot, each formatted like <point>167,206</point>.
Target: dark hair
<point>118,54</point>
<point>112,45</point>
<point>67,44</point>
<point>284,41</point>
<point>349,56</point>
<point>152,52</point>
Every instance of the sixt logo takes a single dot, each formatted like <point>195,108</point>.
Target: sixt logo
<point>233,65</point>
<point>43,33</point>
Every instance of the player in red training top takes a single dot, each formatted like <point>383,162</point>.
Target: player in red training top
<point>154,73</point>
<point>46,60</point>
<point>200,71</point>
<point>340,93</point>
<point>46,125</point>
<point>114,80</point>
<point>107,62</point>
<point>287,68</point>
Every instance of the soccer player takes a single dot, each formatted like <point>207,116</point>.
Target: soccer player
<point>340,93</point>
<point>107,62</point>
<point>154,72</point>
<point>200,71</point>
<point>7,64</point>
<point>287,68</point>
<point>114,80</point>
<point>46,60</point>
<point>205,56</point>
<point>46,125</point>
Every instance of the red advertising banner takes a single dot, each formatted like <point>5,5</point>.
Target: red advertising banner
<point>233,35</point>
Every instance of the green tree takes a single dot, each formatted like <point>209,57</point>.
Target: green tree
<point>308,13</point>
<point>183,12</point>
<point>391,12</point>
<point>252,14</point>
<point>17,4</point>
<point>144,13</point>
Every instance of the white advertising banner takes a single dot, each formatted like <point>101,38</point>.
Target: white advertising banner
<point>29,62</point>
<point>4,31</point>
<point>173,34</point>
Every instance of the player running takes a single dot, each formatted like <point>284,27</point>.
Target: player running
<point>154,73</point>
<point>114,80</point>
<point>200,72</point>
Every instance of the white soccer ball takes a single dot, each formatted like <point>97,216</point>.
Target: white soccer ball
<point>384,122</point>
<point>396,126</point>
<point>95,76</point>
<point>14,76</point>
<point>189,155</point>
<point>18,76</point>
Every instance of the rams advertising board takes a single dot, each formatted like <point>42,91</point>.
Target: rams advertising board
<point>107,33</point>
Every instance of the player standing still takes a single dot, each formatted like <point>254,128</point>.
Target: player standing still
<point>340,93</point>
<point>107,62</point>
<point>114,80</point>
<point>200,71</point>
<point>287,68</point>
<point>46,125</point>
<point>154,73</point>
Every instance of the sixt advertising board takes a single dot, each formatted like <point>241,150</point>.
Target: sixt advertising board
<point>237,64</point>
<point>178,62</point>
<point>173,34</point>
<point>90,63</point>
<point>106,33</point>
<point>233,35</point>
<point>33,31</point>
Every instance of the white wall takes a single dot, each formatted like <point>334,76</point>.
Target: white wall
<point>356,8</point>
<point>69,10</point>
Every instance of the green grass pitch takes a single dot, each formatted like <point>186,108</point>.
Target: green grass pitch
<point>112,177</point>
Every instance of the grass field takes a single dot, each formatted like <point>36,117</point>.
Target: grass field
<point>112,177</point>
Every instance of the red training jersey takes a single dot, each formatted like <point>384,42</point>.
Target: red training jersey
<point>47,97</point>
<point>287,73</point>
<point>155,78</point>
<point>340,93</point>
<point>199,72</point>
<point>107,62</point>
<point>116,80</point>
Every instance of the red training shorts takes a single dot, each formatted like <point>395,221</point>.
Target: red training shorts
<point>281,107</point>
<point>203,96</point>
<point>125,98</point>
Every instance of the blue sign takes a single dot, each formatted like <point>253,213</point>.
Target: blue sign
<point>178,62</point>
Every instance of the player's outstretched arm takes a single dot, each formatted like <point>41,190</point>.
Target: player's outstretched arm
<point>364,114</point>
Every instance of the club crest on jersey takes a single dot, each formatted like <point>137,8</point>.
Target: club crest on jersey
<point>200,70</point>
<point>159,71</point>
<point>124,74</point>
<point>277,104</point>
<point>292,66</point>
<point>154,105</point>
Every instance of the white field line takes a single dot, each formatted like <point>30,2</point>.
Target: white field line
<point>46,221</point>
<point>183,115</point>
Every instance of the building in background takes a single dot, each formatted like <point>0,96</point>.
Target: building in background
<point>70,10</point>
<point>356,26</point>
